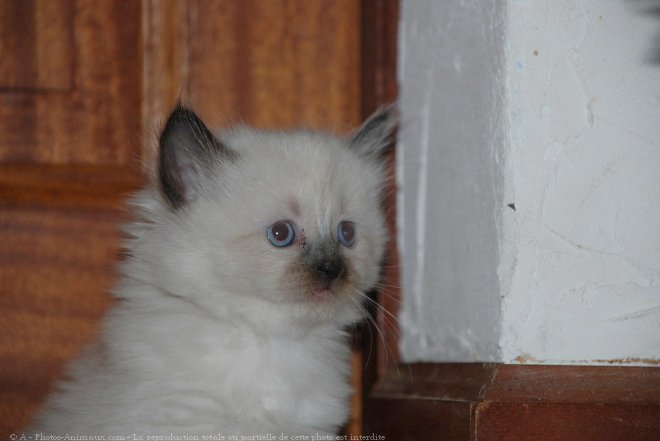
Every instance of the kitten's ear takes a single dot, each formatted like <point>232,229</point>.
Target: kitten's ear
<point>377,132</point>
<point>188,151</point>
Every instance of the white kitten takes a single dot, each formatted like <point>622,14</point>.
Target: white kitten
<point>249,258</point>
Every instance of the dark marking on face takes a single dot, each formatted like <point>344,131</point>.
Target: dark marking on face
<point>324,262</point>
<point>319,267</point>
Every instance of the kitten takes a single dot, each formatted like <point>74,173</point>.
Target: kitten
<point>250,257</point>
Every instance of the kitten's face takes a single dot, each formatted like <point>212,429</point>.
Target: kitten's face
<point>274,222</point>
<point>302,221</point>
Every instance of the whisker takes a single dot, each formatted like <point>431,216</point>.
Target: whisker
<point>375,325</point>
<point>388,285</point>
<point>394,293</point>
<point>388,351</point>
<point>371,337</point>
<point>382,309</point>
<point>383,294</point>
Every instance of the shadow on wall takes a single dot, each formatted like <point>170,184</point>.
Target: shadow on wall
<point>650,8</point>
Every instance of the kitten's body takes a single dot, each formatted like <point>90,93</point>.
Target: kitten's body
<point>217,330</point>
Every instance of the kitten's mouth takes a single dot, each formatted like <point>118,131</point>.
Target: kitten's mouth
<point>326,289</point>
<point>329,291</point>
<point>321,287</point>
<point>323,293</point>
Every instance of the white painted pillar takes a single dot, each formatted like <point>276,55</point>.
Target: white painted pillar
<point>552,107</point>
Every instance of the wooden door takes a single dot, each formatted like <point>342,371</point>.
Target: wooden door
<point>69,79</point>
<point>84,86</point>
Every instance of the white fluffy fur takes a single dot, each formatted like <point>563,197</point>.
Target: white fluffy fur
<point>211,333</point>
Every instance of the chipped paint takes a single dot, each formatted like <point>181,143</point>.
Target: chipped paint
<point>628,361</point>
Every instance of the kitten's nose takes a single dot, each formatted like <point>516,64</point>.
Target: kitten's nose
<point>330,269</point>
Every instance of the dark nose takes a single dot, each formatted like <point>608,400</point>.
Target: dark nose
<point>329,269</point>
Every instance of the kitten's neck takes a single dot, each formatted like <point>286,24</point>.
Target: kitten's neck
<point>262,318</point>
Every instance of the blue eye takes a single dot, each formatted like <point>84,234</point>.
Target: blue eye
<point>281,233</point>
<point>346,233</point>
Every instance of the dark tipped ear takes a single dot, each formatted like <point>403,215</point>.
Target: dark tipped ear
<point>377,132</point>
<point>188,151</point>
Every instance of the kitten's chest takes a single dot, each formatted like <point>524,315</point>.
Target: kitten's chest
<point>306,385</point>
<point>215,372</point>
<point>274,379</point>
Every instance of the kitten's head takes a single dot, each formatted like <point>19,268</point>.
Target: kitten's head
<point>267,226</point>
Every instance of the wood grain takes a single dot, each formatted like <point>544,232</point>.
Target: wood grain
<point>97,120</point>
<point>58,230</point>
<point>378,84</point>
<point>570,402</point>
<point>566,421</point>
<point>36,45</point>
<point>379,20</point>
<point>427,401</point>
<point>268,63</point>
<point>576,384</point>
<point>275,63</point>
<point>495,402</point>
<point>419,420</point>
<point>165,66</point>
<point>449,381</point>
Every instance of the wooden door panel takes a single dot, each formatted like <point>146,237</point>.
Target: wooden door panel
<point>36,44</point>
<point>71,91</point>
<point>58,230</point>
<point>275,63</point>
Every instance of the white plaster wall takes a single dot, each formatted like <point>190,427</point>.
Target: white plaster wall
<point>451,99</point>
<point>553,106</point>
<point>580,263</point>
